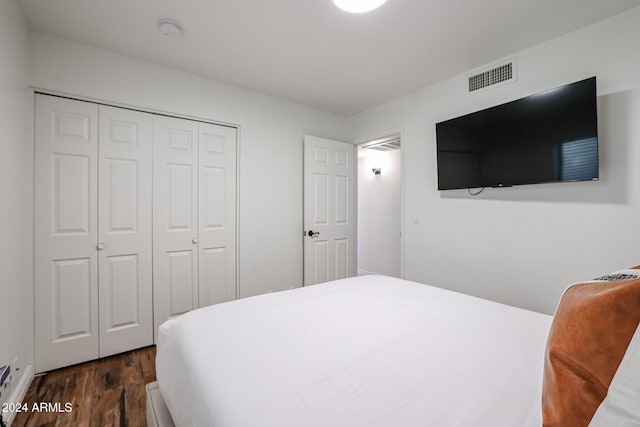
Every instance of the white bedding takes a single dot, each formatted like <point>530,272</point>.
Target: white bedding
<point>366,351</point>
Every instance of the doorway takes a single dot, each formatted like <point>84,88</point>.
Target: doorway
<point>379,201</point>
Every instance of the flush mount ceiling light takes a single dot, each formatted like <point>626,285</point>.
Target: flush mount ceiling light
<point>170,28</point>
<point>358,6</point>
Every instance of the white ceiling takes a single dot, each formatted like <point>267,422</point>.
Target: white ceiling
<point>310,52</point>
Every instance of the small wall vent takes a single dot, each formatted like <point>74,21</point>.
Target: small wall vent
<point>491,77</point>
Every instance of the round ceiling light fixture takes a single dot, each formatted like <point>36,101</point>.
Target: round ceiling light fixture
<point>358,6</point>
<point>170,28</point>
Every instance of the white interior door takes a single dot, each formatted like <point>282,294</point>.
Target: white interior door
<point>124,230</point>
<point>66,231</point>
<point>217,214</point>
<point>175,217</point>
<point>329,210</point>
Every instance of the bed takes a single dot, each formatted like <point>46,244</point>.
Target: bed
<point>364,351</point>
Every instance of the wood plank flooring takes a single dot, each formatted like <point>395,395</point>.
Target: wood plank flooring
<point>105,392</point>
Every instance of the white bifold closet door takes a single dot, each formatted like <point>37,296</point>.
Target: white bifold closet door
<point>175,200</point>
<point>124,230</point>
<point>217,214</point>
<point>92,231</point>
<point>66,232</point>
<point>194,216</point>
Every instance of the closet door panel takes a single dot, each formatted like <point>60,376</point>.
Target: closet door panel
<point>217,213</point>
<point>66,269</point>
<point>124,230</point>
<point>175,217</point>
<point>180,280</point>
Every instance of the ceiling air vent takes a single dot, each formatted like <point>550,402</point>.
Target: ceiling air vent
<point>383,145</point>
<point>491,77</point>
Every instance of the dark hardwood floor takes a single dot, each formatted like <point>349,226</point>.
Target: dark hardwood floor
<point>105,392</point>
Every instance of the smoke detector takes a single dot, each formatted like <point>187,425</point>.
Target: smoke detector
<point>170,28</point>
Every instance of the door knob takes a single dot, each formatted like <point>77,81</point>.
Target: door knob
<point>194,240</point>
<point>100,246</point>
<point>312,233</point>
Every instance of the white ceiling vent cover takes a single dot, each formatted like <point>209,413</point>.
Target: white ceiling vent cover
<point>500,74</point>
<point>385,144</point>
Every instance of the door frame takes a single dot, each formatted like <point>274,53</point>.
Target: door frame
<point>364,140</point>
<point>35,90</point>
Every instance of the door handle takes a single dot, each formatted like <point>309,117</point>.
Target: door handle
<point>311,233</point>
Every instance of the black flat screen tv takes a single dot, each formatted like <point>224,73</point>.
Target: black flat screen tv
<point>551,136</point>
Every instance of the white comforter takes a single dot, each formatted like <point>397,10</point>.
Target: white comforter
<point>367,351</point>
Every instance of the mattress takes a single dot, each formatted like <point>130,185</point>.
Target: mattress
<point>364,351</point>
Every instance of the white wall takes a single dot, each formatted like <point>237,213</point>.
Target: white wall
<point>16,193</point>
<point>270,153</point>
<point>524,245</point>
<point>379,212</point>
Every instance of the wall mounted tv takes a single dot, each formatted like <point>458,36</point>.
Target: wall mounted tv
<point>551,136</point>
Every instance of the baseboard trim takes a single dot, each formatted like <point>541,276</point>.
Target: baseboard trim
<point>19,393</point>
